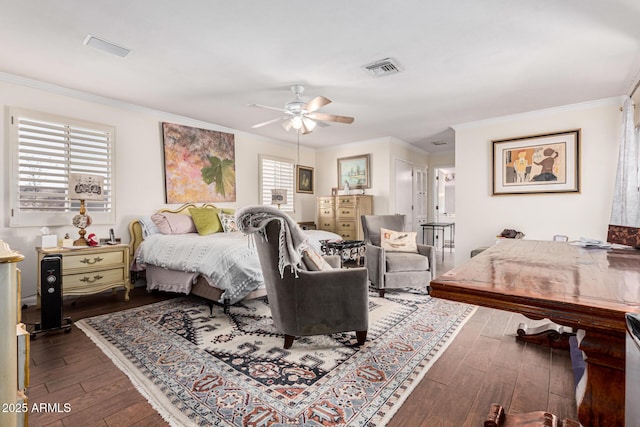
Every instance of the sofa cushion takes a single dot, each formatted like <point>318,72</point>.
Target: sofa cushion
<point>406,261</point>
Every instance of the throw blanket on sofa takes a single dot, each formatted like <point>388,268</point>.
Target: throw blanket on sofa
<point>226,258</point>
<point>292,240</point>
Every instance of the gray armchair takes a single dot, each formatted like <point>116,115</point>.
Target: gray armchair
<point>389,270</point>
<point>316,302</point>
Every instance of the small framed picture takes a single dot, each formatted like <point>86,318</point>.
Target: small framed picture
<point>304,179</point>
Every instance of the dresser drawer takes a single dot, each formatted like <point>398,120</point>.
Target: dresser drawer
<point>327,224</point>
<point>347,235</point>
<point>94,261</point>
<point>346,226</point>
<point>325,202</point>
<point>346,201</point>
<point>346,212</point>
<point>325,212</point>
<point>95,278</point>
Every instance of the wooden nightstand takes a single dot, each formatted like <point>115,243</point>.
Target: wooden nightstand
<point>91,270</point>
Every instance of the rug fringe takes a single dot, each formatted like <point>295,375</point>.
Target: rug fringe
<point>155,402</point>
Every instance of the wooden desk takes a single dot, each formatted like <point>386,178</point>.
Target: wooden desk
<point>589,289</point>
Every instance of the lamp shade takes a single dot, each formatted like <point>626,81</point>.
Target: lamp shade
<point>278,196</point>
<point>86,187</point>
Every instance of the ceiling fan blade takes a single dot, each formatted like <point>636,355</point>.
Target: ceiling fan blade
<point>268,122</point>
<point>330,118</point>
<point>317,102</point>
<point>267,107</point>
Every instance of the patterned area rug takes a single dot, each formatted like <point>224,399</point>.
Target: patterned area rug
<point>231,370</point>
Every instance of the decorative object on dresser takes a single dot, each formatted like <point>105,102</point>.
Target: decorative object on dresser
<point>320,376</point>
<point>393,264</point>
<point>84,187</point>
<point>14,341</point>
<point>206,156</point>
<point>354,172</point>
<point>341,214</point>
<point>90,270</point>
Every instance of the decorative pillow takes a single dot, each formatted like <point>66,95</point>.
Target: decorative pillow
<point>228,222</point>
<point>149,228</point>
<point>398,241</point>
<point>314,261</point>
<point>206,220</point>
<point>173,223</point>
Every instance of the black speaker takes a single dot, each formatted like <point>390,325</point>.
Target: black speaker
<point>51,291</point>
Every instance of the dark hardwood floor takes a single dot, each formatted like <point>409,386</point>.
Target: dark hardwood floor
<point>483,365</point>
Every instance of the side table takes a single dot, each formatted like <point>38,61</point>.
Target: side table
<point>349,250</point>
<point>91,270</point>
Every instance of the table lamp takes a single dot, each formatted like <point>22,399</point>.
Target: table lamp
<point>278,196</point>
<point>84,187</point>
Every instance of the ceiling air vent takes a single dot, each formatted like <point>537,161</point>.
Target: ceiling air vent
<point>106,46</point>
<point>383,67</point>
<point>438,142</point>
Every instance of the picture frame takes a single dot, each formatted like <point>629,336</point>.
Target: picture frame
<point>545,163</point>
<point>304,179</point>
<point>354,170</point>
<point>199,165</point>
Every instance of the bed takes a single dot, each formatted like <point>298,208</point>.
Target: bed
<point>221,267</point>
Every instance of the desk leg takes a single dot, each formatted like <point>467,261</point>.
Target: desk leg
<point>600,394</point>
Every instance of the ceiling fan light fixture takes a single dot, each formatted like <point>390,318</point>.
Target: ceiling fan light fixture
<point>296,122</point>
<point>308,123</point>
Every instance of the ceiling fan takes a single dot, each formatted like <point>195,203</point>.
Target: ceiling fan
<point>302,116</point>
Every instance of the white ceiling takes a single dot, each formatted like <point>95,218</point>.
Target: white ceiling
<point>463,61</point>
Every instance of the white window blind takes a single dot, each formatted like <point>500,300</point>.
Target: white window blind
<point>44,150</point>
<point>276,173</point>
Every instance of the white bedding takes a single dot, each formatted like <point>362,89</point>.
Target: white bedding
<point>228,260</point>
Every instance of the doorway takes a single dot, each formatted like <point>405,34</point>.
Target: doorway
<point>403,192</point>
<point>444,205</point>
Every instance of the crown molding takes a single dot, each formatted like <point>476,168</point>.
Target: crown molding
<point>613,101</point>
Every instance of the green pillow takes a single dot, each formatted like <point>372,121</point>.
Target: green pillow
<point>206,220</point>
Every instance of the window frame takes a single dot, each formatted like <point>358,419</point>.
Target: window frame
<point>265,193</point>
<point>20,217</point>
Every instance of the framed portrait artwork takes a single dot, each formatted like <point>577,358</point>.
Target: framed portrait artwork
<point>354,171</point>
<point>546,163</point>
<point>304,179</point>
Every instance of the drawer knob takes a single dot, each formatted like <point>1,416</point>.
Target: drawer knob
<point>90,262</point>
<point>90,280</point>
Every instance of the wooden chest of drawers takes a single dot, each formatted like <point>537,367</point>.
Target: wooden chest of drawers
<point>91,270</point>
<point>341,214</point>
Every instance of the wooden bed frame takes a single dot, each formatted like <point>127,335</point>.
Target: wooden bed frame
<point>201,288</point>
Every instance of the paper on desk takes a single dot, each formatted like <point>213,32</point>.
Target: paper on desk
<point>586,242</point>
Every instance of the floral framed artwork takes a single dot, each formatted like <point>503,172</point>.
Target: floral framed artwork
<point>199,165</point>
<point>304,179</point>
<point>546,163</point>
<point>354,171</point>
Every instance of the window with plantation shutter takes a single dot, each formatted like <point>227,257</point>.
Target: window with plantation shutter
<point>276,173</point>
<point>45,149</point>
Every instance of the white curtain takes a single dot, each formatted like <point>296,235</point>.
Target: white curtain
<point>626,196</point>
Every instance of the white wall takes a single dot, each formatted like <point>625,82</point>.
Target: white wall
<point>383,152</point>
<point>481,216</point>
<point>139,167</point>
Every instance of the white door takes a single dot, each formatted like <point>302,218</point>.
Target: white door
<point>404,192</point>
